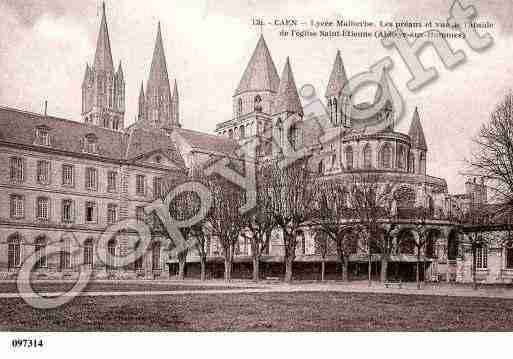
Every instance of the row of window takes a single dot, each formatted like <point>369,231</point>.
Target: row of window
<point>14,254</point>
<point>385,159</point>
<point>67,210</point>
<point>43,176</point>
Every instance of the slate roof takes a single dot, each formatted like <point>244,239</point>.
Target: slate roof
<point>19,127</point>
<point>338,78</point>
<point>261,73</point>
<point>287,99</point>
<point>418,140</point>
<point>208,142</point>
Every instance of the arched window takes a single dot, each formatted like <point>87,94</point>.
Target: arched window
<point>334,112</point>
<point>155,256</point>
<point>509,255</point>
<point>258,103</point>
<point>242,131</point>
<point>367,156</point>
<point>111,250</point>
<point>320,167</point>
<point>13,252</point>
<point>411,163</point>
<point>88,252</point>
<point>452,246</point>
<point>349,158</point>
<point>333,161</point>
<point>386,156</point>
<point>423,163</point>
<point>400,157</point>
<point>40,249</point>
<point>279,127</point>
<point>239,107</point>
<point>407,243</point>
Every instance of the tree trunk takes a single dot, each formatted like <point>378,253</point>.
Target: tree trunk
<point>203,263</point>
<point>323,270</point>
<point>256,268</point>
<point>417,271</point>
<point>288,268</point>
<point>345,270</point>
<point>227,269</point>
<point>369,269</point>
<point>384,268</point>
<point>474,269</point>
<point>181,268</point>
<point>182,260</point>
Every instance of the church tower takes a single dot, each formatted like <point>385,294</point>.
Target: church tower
<point>288,111</point>
<point>418,152</point>
<point>338,104</point>
<point>158,107</point>
<point>253,98</point>
<point>103,88</point>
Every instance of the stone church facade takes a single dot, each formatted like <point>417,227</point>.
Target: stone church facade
<point>64,182</point>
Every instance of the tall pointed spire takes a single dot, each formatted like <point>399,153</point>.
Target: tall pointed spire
<point>103,57</point>
<point>141,108</point>
<point>159,79</point>
<point>260,74</point>
<point>175,103</point>
<point>416,132</point>
<point>287,99</point>
<point>120,74</point>
<point>338,78</point>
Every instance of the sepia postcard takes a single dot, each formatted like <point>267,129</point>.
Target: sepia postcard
<point>255,167</point>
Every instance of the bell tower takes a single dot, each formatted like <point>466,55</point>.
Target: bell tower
<point>103,88</point>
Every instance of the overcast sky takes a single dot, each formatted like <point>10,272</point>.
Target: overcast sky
<point>45,44</point>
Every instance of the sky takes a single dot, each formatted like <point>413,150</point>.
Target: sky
<point>45,45</point>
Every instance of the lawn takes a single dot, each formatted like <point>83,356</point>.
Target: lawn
<point>305,311</point>
<point>112,287</point>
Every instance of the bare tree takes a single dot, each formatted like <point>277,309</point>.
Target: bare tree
<point>225,222</point>
<point>290,199</point>
<point>372,200</point>
<point>493,157</point>
<point>333,217</point>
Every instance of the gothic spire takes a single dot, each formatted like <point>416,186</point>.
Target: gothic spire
<point>141,107</point>
<point>86,75</point>
<point>175,102</point>
<point>260,74</point>
<point>103,57</point>
<point>159,79</point>
<point>416,132</point>
<point>287,99</point>
<point>120,74</point>
<point>338,78</point>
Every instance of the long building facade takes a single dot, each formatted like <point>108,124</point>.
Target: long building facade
<point>65,182</point>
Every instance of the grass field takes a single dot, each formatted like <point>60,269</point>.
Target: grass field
<point>304,311</point>
<point>116,287</point>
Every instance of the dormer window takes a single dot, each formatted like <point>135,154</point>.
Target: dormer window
<point>43,136</point>
<point>90,144</point>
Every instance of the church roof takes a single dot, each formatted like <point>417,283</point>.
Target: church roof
<point>103,56</point>
<point>261,73</point>
<point>159,78</point>
<point>287,99</point>
<point>208,142</point>
<point>338,78</point>
<point>416,132</point>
